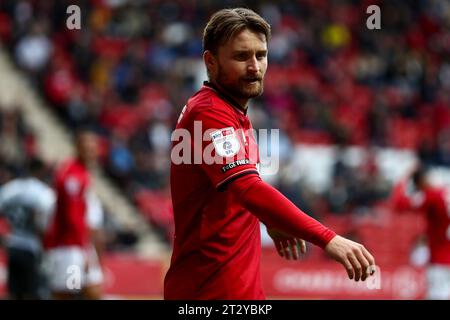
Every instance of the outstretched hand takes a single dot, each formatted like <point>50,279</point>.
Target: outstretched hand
<point>288,247</point>
<point>358,262</point>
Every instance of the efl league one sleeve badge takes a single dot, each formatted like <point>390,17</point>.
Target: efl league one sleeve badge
<point>225,142</point>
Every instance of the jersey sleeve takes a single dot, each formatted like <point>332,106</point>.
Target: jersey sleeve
<point>276,211</point>
<point>225,151</point>
<point>94,211</point>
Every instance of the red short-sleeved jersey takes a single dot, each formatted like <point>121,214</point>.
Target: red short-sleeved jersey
<point>217,242</point>
<point>437,208</point>
<point>435,204</point>
<point>69,227</point>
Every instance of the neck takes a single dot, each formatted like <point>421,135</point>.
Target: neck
<point>240,103</point>
<point>85,162</point>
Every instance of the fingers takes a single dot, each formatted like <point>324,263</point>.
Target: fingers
<point>294,247</point>
<point>364,264</point>
<point>349,268</point>
<point>288,252</point>
<point>371,270</point>
<point>279,247</point>
<point>283,249</point>
<point>302,245</point>
<point>356,266</point>
<point>290,248</point>
<point>370,259</point>
<point>356,259</point>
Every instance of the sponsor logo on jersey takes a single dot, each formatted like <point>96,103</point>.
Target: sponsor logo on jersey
<point>235,164</point>
<point>225,142</point>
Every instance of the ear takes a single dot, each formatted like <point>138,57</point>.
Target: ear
<point>210,61</point>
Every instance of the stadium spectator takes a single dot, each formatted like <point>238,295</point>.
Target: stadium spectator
<point>416,193</point>
<point>34,50</point>
<point>27,203</point>
<point>218,206</point>
<point>13,143</point>
<point>74,241</point>
<point>331,81</point>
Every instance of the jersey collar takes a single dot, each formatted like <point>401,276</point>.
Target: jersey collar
<point>226,97</point>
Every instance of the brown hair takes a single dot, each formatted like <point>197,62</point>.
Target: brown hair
<point>226,23</point>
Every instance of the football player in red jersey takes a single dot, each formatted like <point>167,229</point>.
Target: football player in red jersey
<point>219,200</point>
<point>74,239</point>
<point>416,193</point>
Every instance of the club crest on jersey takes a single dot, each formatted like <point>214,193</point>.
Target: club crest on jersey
<point>225,142</point>
<point>72,185</point>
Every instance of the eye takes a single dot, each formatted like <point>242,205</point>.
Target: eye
<point>241,56</point>
<point>261,55</point>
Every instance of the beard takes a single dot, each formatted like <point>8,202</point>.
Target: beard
<point>246,87</point>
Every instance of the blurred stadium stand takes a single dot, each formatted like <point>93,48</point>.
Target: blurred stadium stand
<point>355,108</point>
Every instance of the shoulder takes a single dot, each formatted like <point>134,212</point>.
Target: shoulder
<point>437,191</point>
<point>65,167</point>
<point>13,184</point>
<point>202,98</point>
<point>11,188</point>
<point>36,184</point>
<point>207,102</point>
<point>71,172</point>
<point>71,167</point>
<point>437,194</point>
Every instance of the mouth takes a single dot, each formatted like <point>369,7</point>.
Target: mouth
<point>252,80</point>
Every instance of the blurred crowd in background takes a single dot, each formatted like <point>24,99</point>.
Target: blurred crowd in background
<point>131,67</point>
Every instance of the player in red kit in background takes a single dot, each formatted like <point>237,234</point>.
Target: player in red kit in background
<point>416,193</point>
<point>74,239</point>
<point>218,204</point>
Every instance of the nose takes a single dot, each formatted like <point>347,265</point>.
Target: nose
<point>253,65</point>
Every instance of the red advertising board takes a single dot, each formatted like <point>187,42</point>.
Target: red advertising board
<point>329,280</point>
<point>127,276</point>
